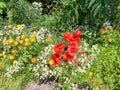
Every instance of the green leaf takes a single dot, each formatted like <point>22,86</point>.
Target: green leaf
<point>97,10</point>
<point>91,3</point>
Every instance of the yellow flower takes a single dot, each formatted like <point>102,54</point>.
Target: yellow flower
<point>14,62</point>
<point>102,31</point>
<point>21,41</point>
<point>27,43</point>
<point>10,26</point>
<point>23,36</point>
<point>49,39</point>
<point>94,82</point>
<point>11,40</point>
<point>26,39</point>
<point>33,60</point>
<point>20,47</point>
<point>110,27</point>
<point>6,41</point>
<point>1,54</point>
<point>33,35</point>
<point>4,57</point>
<point>18,26</point>
<point>13,51</point>
<point>11,57</point>
<point>51,62</point>
<point>16,43</point>
<point>32,39</point>
<point>90,73</point>
<point>1,64</point>
<point>110,40</point>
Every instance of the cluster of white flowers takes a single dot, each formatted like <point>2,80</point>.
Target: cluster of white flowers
<point>42,62</point>
<point>37,5</point>
<point>13,69</point>
<point>42,34</point>
<point>87,55</point>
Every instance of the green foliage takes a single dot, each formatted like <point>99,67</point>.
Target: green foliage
<point>21,11</point>
<point>106,68</point>
<point>2,6</point>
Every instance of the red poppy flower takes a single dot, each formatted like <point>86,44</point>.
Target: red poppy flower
<point>73,43</point>
<point>77,33</point>
<point>68,37</point>
<point>57,55</point>
<point>68,57</point>
<point>59,48</point>
<point>72,50</point>
<point>56,60</point>
<point>78,40</point>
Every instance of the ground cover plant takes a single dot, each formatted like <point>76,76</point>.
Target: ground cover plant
<point>75,44</point>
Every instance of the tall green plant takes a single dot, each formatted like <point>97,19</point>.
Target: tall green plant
<point>21,11</point>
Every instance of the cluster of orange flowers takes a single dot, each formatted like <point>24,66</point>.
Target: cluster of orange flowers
<point>12,47</point>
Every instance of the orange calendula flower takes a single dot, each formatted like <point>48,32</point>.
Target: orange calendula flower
<point>49,39</point>
<point>16,43</point>
<point>14,62</point>
<point>21,41</point>
<point>33,60</point>
<point>110,40</point>
<point>1,54</point>
<point>94,82</point>
<point>6,41</point>
<point>10,26</point>
<point>51,62</point>
<point>32,39</point>
<point>11,57</point>
<point>90,73</point>
<point>102,31</point>
<point>27,43</point>
<point>1,64</point>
